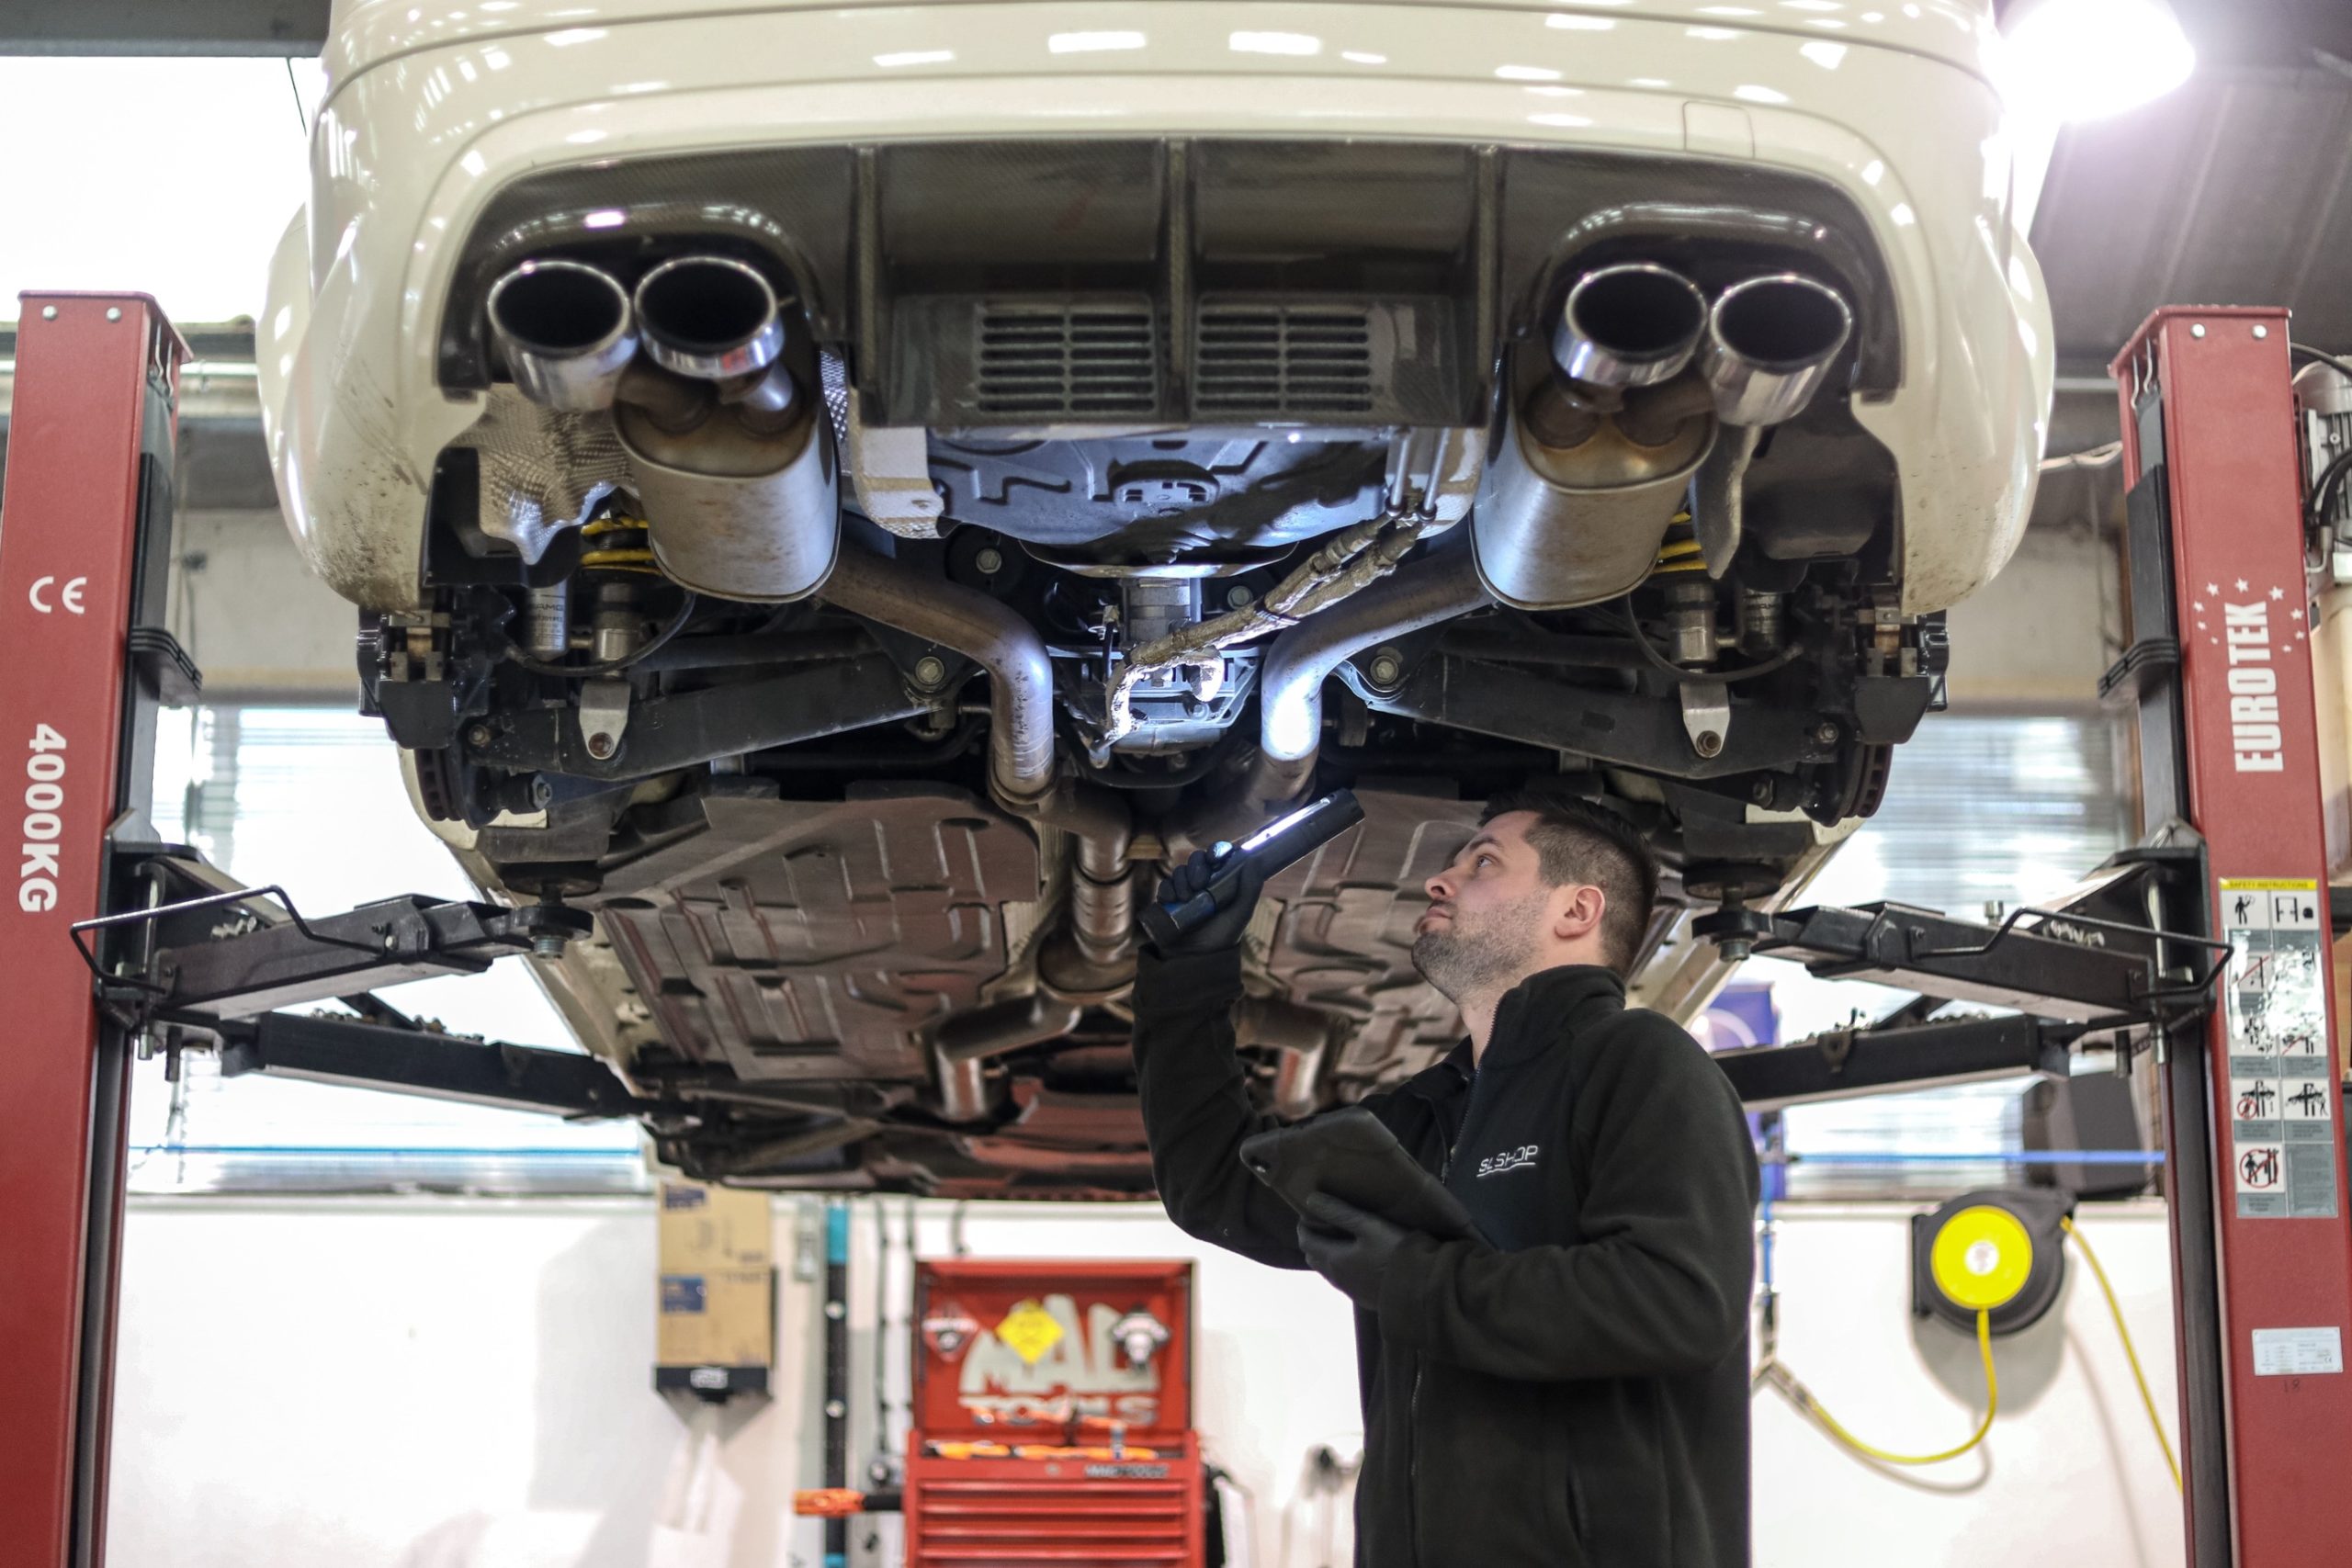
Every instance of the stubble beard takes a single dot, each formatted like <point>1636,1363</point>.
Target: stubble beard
<point>1467,960</point>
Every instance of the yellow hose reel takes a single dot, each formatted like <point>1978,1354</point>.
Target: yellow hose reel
<point>1998,1251</point>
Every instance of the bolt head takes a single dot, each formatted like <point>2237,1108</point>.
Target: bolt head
<point>48,312</point>
<point>1761,791</point>
<point>1386,671</point>
<point>1736,950</point>
<point>542,792</point>
<point>1238,595</point>
<point>2196,330</point>
<point>1826,734</point>
<point>930,669</point>
<point>602,746</point>
<point>114,312</point>
<point>991,561</point>
<point>478,735</point>
<point>1708,743</point>
<point>2261,331</point>
<point>547,944</point>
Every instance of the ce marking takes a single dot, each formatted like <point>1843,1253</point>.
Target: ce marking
<point>69,595</point>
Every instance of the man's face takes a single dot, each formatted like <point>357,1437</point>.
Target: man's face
<point>1487,916</point>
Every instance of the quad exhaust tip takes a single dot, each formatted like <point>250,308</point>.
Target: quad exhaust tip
<point>1769,343</point>
<point>565,330</point>
<point>712,318</point>
<point>1635,324</point>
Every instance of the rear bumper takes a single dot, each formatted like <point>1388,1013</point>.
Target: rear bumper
<point>411,155</point>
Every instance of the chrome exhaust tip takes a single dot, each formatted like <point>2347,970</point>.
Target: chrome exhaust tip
<point>1631,325</point>
<point>1769,343</point>
<point>565,331</point>
<point>711,318</point>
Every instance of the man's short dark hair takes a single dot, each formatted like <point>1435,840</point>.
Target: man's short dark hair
<point>1580,842</point>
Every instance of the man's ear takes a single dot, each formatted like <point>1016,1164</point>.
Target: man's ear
<point>1578,914</point>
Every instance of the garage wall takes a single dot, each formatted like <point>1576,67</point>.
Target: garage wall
<point>2071,1474</point>
<point>2037,638</point>
<point>463,1384</point>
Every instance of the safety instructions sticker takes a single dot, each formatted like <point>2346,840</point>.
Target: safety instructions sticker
<point>2281,1070</point>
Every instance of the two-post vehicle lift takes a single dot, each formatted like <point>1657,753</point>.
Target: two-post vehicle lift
<point>2205,950</point>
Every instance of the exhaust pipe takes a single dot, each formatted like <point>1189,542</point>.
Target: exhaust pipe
<point>1008,1026</point>
<point>1290,688</point>
<point>1769,343</point>
<point>1093,957</point>
<point>1300,1036</point>
<point>715,319</point>
<point>1290,683</point>
<point>962,1046</point>
<point>565,331</point>
<point>983,629</point>
<point>1631,325</point>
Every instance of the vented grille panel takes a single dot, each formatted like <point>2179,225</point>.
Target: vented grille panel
<point>1045,360</point>
<point>1262,358</point>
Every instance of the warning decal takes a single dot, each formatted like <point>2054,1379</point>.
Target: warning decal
<point>1029,1330</point>
<point>2282,1158</point>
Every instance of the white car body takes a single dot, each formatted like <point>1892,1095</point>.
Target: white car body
<point>883,959</point>
<point>431,110</point>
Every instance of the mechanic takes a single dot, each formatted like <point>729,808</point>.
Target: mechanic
<point>1577,1392</point>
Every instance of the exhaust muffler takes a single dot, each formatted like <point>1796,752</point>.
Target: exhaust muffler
<point>1631,325</point>
<point>565,331</point>
<point>1769,343</point>
<point>740,491</point>
<point>1595,460</point>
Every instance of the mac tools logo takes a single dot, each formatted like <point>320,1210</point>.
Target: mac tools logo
<point>1520,1158</point>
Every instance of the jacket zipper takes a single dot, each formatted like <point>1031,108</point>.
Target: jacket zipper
<point>1413,1403</point>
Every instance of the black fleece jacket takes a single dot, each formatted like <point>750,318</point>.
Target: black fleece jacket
<point>1574,1395</point>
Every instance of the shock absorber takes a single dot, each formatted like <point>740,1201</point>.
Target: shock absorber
<point>547,620</point>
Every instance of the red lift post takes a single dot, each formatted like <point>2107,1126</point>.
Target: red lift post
<point>84,539</point>
<point>2262,1253</point>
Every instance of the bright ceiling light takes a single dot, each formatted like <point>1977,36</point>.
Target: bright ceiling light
<point>1275,44</point>
<point>2074,59</point>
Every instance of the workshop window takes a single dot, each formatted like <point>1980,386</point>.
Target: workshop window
<point>1980,811</point>
<point>313,799</point>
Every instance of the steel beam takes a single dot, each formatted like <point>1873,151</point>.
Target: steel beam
<point>1923,950</point>
<point>1609,726</point>
<point>439,1066</point>
<point>258,964</point>
<point>1847,1063</point>
<point>664,734</point>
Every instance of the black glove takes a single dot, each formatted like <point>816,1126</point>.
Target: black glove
<point>1354,1250</point>
<point>1222,930</point>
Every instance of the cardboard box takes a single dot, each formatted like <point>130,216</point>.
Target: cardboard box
<point>710,1229</point>
<point>719,1318</point>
